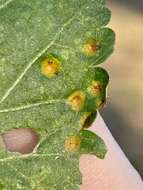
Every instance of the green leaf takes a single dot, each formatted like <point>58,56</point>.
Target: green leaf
<point>48,56</point>
<point>1,186</point>
<point>92,144</point>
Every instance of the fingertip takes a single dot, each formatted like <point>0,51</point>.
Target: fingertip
<point>21,140</point>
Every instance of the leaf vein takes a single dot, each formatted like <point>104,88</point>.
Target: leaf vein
<point>5,4</point>
<point>35,59</point>
<point>35,155</point>
<point>20,173</point>
<point>31,105</point>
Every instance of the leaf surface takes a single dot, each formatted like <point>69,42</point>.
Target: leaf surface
<point>73,34</point>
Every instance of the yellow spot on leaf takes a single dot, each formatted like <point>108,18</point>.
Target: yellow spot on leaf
<point>96,88</point>
<point>90,47</point>
<point>50,67</point>
<point>76,100</point>
<point>72,143</point>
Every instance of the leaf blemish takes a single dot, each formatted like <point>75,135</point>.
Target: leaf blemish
<point>87,119</point>
<point>91,47</point>
<point>96,88</point>
<point>76,100</point>
<point>72,143</point>
<point>100,103</point>
<point>50,67</point>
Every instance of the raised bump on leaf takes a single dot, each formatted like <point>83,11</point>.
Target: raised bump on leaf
<point>76,100</point>
<point>96,88</point>
<point>87,119</point>
<point>51,66</point>
<point>91,47</point>
<point>72,143</point>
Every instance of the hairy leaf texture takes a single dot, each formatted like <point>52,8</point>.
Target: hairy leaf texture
<point>50,82</point>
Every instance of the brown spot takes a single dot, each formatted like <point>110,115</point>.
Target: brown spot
<point>72,143</point>
<point>100,103</point>
<point>90,47</point>
<point>50,67</point>
<point>76,100</point>
<point>96,88</point>
<point>22,140</point>
<point>87,119</point>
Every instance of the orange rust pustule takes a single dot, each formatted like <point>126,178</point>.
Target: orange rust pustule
<point>96,88</point>
<point>72,143</point>
<point>50,67</point>
<point>76,100</point>
<point>90,48</point>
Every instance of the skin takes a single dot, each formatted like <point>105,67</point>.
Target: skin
<point>114,172</point>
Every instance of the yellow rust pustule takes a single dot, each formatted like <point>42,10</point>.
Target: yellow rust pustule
<point>72,143</point>
<point>50,66</point>
<point>91,47</point>
<point>76,100</point>
<point>96,88</point>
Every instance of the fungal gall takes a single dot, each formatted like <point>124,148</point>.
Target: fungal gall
<point>76,100</point>
<point>91,47</point>
<point>96,88</point>
<point>50,66</point>
<point>87,119</point>
<point>72,143</point>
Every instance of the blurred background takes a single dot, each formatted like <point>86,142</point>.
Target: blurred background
<point>123,114</point>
